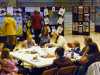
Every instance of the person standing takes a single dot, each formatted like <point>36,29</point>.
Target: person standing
<point>36,25</point>
<point>10,29</point>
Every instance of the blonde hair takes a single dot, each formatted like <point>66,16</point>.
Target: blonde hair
<point>76,43</point>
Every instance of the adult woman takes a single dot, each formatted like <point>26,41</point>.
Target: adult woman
<point>9,30</point>
<point>29,42</point>
<point>44,38</point>
<point>90,55</point>
<point>57,40</point>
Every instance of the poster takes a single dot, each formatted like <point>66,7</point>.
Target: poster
<point>10,10</point>
<point>97,20</point>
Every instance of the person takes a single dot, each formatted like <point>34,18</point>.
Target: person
<point>36,25</point>
<point>20,45</point>
<point>29,42</point>
<point>9,29</point>
<point>91,49</point>
<point>76,47</point>
<point>57,40</point>
<point>90,55</point>
<point>8,66</point>
<point>44,38</point>
<point>1,46</point>
<point>60,58</point>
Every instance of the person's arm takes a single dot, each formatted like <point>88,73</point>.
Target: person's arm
<point>86,49</point>
<point>33,41</point>
<point>24,44</point>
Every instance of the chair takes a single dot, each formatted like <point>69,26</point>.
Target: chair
<point>50,71</point>
<point>70,70</point>
<point>94,69</point>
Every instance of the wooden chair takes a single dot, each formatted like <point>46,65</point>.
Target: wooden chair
<point>70,70</point>
<point>50,71</point>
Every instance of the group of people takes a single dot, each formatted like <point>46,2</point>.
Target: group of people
<point>89,54</point>
<point>43,38</point>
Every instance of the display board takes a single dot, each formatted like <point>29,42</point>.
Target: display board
<point>50,16</point>
<point>81,20</point>
<point>97,19</point>
<point>17,14</point>
<point>2,13</point>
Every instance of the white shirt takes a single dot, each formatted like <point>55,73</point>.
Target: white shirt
<point>46,20</point>
<point>60,42</point>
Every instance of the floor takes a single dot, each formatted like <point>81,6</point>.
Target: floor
<point>95,36</point>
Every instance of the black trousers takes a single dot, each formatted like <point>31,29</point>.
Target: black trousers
<point>37,33</point>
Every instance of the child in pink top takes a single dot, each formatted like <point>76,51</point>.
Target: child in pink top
<point>8,66</point>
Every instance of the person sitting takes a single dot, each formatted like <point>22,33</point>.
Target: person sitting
<point>44,38</point>
<point>76,47</point>
<point>29,42</point>
<point>60,60</point>
<point>8,66</point>
<point>19,45</point>
<point>90,55</point>
<point>57,40</point>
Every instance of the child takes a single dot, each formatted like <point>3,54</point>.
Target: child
<point>76,47</point>
<point>8,66</point>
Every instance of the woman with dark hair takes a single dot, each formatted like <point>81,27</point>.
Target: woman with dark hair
<point>60,58</point>
<point>44,37</point>
<point>90,53</point>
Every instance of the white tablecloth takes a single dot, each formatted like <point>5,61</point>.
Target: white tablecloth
<point>38,57</point>
<point>41,59</point>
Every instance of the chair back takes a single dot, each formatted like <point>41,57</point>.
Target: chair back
<point>50,71</point>
<point>70,70</point>
<point>94,69</point>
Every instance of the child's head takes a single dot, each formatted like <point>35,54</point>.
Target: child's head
<point>59,52</point>
<point>76,44</point>
<point>5,53</point>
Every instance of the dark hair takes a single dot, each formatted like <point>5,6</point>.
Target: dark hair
<point>5,53</point>
<point>45,30</point>
<point>60,51</point>
<point>77,44</point>
<point>88,40</point>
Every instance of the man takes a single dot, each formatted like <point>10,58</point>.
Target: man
<point>10,29</point>
<point>36,25</point>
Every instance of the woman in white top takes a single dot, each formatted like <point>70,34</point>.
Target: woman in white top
<point>57,40</point>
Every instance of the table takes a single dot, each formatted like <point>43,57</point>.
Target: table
<point>35,56</point>
<point>38,57</point>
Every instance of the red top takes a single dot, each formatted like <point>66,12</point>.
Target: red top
<point>36,21</point>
